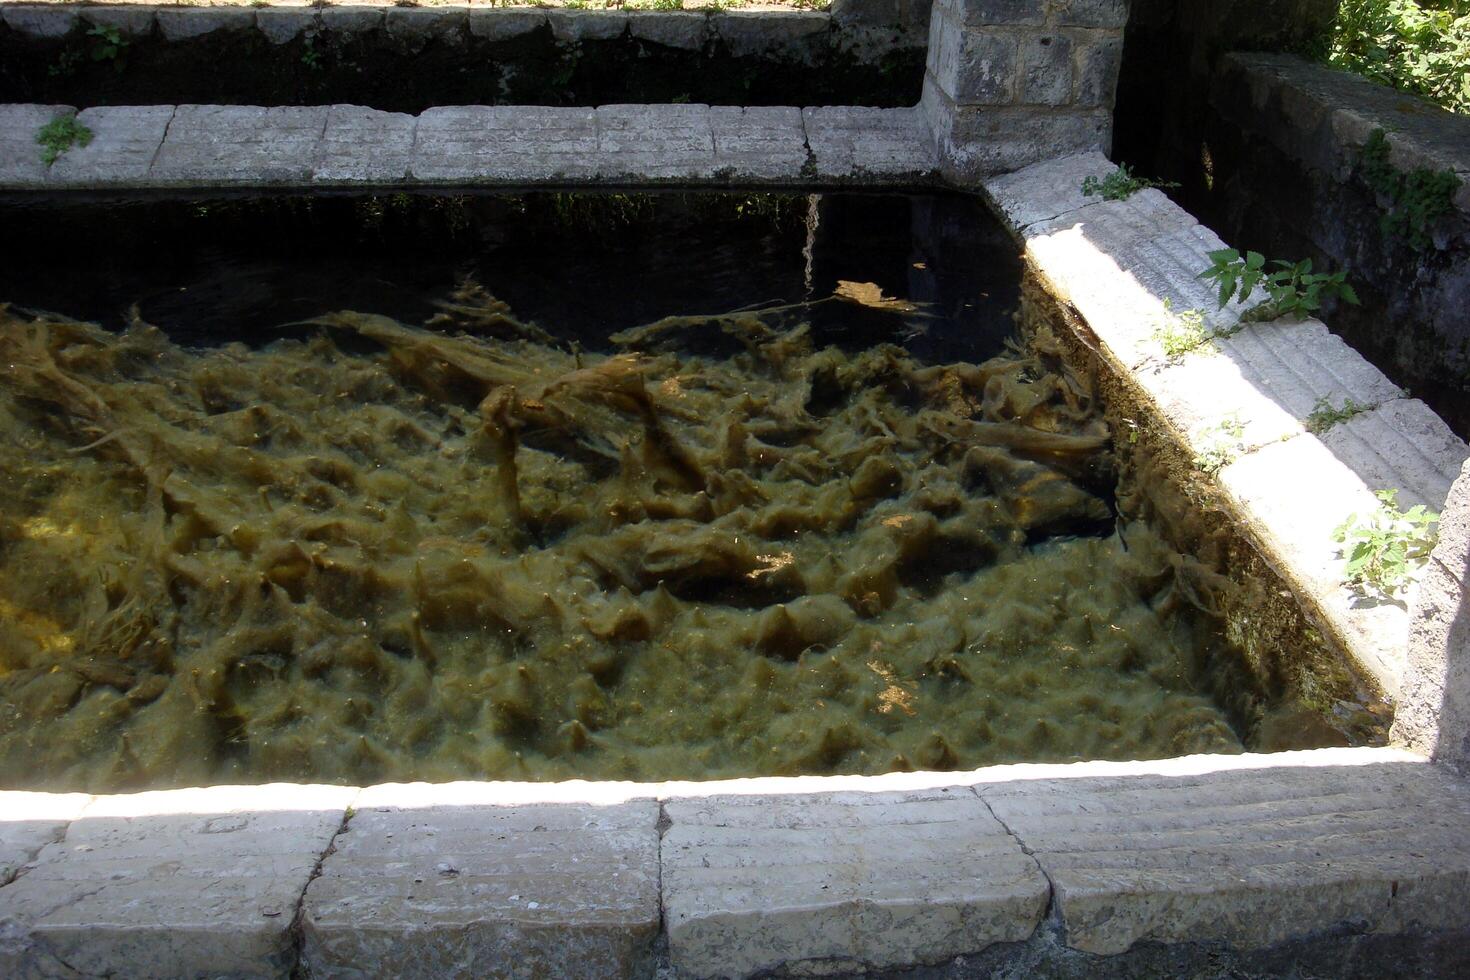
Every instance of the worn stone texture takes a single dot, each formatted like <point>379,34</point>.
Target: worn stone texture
<point>415,889</point>
<point>971,67</point>
<point>654,141</point>
<point>505,143</point>
<point>765,142</point>
<point>20,155</point>
<point>1249,857</point>
<point>31,821</point>
<point>1047,190</point>
<point>682,29</point>
<point>281,25</point>
<point>239,145</point>
<point>352,20</point>
<point>501,25</point>
<point>1401,444</point>
<point>39,22</point>
<point>1097,68</point>
<point>418,26</point>
<point>129,21</point>
<point>853,141</point>
<point>196,882</point>
<point>862,880</point>
<point>574,26</point>
<point>182,23</point>
<point>1045,70</point>
<point>994,13</point>
<point>125,140</point>
<point>752,32</point>
<point>1111,14</point>
<point>339,157</point>
<point>976,142</point>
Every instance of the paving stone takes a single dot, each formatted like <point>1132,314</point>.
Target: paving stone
<point>764,142</point>
<point>1247,857</point>
<point>417,26</point>
<point>501,25</point>
<point>353,20</point>
<point>750,32</point>
<point>31,821</point>
<point>852,141</point>
<point>858,880</point>
<point>1047,190</point>
<point>20,155</point>
<point>281,25</point>
<point>182,23</point>
<point>575,26</point>
<point>125,140</point>
<point>505,143</point>
<point>684,29</point>
<point>129,21</point>
<point>654,141</point>
<point>1401,444</point>
<point>339,155</point>
<point>417,889</point>
<point>196,882</point>
<point>244,145</point>
<point>39,22</point>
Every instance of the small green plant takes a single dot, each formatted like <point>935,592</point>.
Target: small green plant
<point>1324,416</point>
<point>1292,289</point>
<point>310,56</point>
<point>1222,443</point>
<point>1415,199</point>
<point>1385,546</point>
<point>1120,185</point>
<point>60,135</point>
<point>1180,333</point>
<point>109,45</point>
<point>1419,46</point>
<point>66,64</point>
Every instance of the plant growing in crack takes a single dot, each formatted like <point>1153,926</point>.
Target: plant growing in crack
<point>60,135</point>
<point>1120,185</point>
<point>1220,445</point>
<point>1324,416</point>
<point>1385,547</point>
<point>1183,332</point>
<point>1292,289</point>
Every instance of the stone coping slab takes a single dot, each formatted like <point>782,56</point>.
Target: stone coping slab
<point>826,874</point>
<point>1243,403</point>
<point>203,147</point>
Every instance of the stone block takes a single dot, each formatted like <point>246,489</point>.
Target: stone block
<point>32,820</point>
<point>994,13</point>
<point>182,23</point>
<point>197,882</point>
<point>502,25</point>
<point>505,144</point>
<point>1047,190</point>
<point>39,22</point>
<point>654,141</point>
<point>416,889</point>
<point>866,13</point>
<point>1400,444</point>
<point>125,139</point>
<point>1433,711</point>
<point>973,68</point>
<point>1249,857</point>
<point>856,141</point>
<point>762,142</point>
<point>1109,14</point>
<point>239,145</point>
<point>841,881</point>
<point>282,25</point>
<point>1046,70</point>
<point>749,32</point>
<point>340,158</point>
<point>576,26</point>
<point>420,26</point>
<point>21,165</point>
<point>129,21</point>
<point>982,141</point>
<point>682,29</point>
<point>1098,64</point>
<point>352,20</point>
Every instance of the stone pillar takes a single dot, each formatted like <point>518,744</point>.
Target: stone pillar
<point>1433,713</point>
<point>1013,82</point>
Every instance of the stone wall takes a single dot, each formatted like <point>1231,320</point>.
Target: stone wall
<point>1011,82</point>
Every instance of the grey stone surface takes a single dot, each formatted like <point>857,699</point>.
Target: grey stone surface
<point>1047,190</point>
<point>573,26</point>
<point>500,25</point>
<point>247,145</point>
<point>125,141</point>
<point>869,13</point>
<point>505,143</point>
<point>419,26</point>
<point>853,141</point>
<point>199,882</point>
<point>683,29</point>
<point>1401,444</point>
<point>20,156</point>
<point>340,157</point>
<point>655,142</point>
<point>980,141</point>
<point>749,32</point>
<point>39,22</point>
<point>352,20</point>
<point>30,822</point>
<point>988,13</point>
<point>129,21</point>
<point>548,890</point>
<point>1098,64</point>
<point>1045,70</point>
<point>1249,857</point>
<point>971,67</point>
<point>767,142</point>
<point>182,23</point>
<point>851,880</point>
<point>1091,13</point>
<point>284,24</point>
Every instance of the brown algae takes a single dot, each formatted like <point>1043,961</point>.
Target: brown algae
<point>464,551</point>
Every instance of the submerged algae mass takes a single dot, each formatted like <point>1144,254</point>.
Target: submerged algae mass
<point>466,551</point>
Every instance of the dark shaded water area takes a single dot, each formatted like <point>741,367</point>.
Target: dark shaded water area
<point>545,486</point>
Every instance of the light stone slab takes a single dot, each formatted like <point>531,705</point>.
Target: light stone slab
<point>575,26</point>
<point>654,141</point>
<point>682,29</point>
<point>419,25</point>
<point>21,164</point>
<point>842,880</point>
<point>125,140</point>
<point>1247,857</point>
<point>340,158</point>
<point>505,143</point>
<point>765,142</point>
<point>196,882</point>
<point>420,889</point>
<point>1049,190</point>
<point>853,141</point>
<point>39,22</point>
<point>30,821</point>
<point>183,23</point>
<point>1400,445</point>
<point>239,145</point>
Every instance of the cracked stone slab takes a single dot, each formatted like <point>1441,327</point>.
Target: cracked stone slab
<point>427,882</point>
<point>1049,190</point>
<point>226,144</point>
<point>654,141</point>
<point>505,143</point>
<point>125,140</point>
<point>1248,857</point>
<point>31,821</point>
<point>852,141</point>
<point>862,880</point>
<point>339,156</point>
<point>195,882</point>
<point>766,142</point>
<point>20,155</point>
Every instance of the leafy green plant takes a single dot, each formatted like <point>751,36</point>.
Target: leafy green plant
<point>1420,47</point>
<point>1416,199</point>
<point>1222,444</point>
<point>1180,333</point>
<point>1385,546</point>
<point>109,45</point>
<point>1292,289</point>
<point>60,135</point>
<point>310,56</point>
<point>1120,185</point>
<point>1324,416</point>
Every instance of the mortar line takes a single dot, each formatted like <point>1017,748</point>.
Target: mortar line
<point>1051,888</point>
<point>167,128</point>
